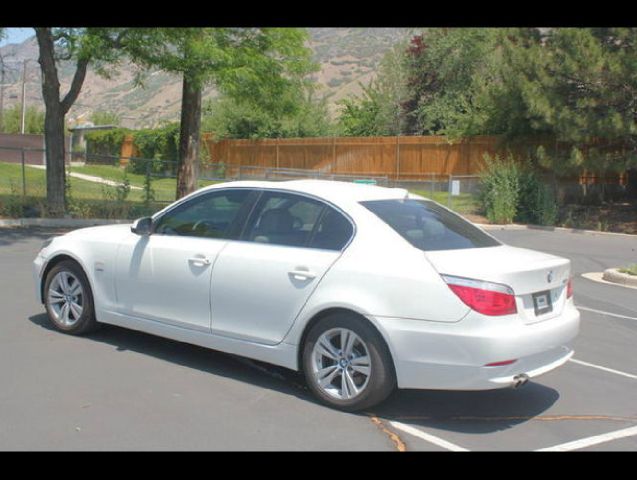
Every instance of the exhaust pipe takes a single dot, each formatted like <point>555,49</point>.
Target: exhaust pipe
<point>520,380</point>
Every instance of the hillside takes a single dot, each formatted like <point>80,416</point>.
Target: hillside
<point>347,57</point>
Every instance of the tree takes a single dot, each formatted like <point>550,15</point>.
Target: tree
<point>378,110</point>
<point>578,86</point>
<point>103,117</point>
<point>256,64</point>
<point>451,72</point>
<point>82,46</point>
<point>33,120</point>
<point>306,116</point>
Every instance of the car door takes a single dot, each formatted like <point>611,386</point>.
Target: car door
<point>165,276</point>
<point>260,283</point>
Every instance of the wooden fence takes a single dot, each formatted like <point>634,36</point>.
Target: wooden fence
<point>397,158</point>
<point>394,157</point>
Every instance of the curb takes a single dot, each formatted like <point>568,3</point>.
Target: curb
<point>59,222</point>
<point>615,276</point>
<point>598,277</point>
<point>516,226</point>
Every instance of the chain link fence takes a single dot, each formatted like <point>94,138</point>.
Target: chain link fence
<point>100,180</point>
<point>457,192</point>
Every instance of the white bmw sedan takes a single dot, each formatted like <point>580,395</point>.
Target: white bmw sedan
<point>363,288</point>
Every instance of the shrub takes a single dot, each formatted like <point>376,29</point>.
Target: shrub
<point>159,144</point>
<point>106,143</point>
<point>499,188</point>
<point>536,202</point>
<point>511,192</point>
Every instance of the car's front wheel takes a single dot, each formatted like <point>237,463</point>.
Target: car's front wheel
<point>347,364</point>
<point>68,299</point>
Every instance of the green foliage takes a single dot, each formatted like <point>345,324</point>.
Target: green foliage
<point>360,116</point>
<point>499,189</point>
<point>33,120</point>
<point>116,199</point>
<point>573,86</point>
<point>102,117</point>
<point>106,142</point>
<point>159,144</point>
<point>254,63</point>
<point>536,201</point>
<point>513,192</point>
<point>377,111</point>
<point>630,269</point>
<point>451,71</point>
<point>577,85</point>
<point>230,118</point>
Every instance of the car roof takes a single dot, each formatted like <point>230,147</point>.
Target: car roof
<point>334,191</point>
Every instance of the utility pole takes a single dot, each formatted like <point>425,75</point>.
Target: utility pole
<point>2,85</point>
<point>2,97</point>
<point>24,74</point>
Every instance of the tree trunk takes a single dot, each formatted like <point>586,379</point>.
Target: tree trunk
<point>189,138</point>
<point>56,110</point>
<point>55,152</point>
<point>53,125</point>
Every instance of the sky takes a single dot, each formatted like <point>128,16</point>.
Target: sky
<point>16,35</point>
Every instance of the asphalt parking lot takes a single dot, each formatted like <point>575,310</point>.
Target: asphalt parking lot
<point>124,390</point>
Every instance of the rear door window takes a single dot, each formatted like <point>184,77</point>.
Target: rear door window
<point>333,231</point>
<point>428,226</point>
<point>283,219</point>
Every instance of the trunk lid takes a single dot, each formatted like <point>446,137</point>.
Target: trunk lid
<point>537,278</point>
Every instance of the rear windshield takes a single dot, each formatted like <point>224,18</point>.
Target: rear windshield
<point>428,226</point>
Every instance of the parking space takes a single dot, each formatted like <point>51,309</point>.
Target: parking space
<point>588,404</point>
<point>119,389</point>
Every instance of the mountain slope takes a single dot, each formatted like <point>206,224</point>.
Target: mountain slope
<point>347,57</point>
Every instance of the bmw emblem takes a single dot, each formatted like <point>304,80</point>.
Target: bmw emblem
<point>549,277</point>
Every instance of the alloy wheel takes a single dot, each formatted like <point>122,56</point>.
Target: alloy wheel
<point>65,298</point>
<point>341,364</point>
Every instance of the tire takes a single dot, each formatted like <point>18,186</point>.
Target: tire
<point>69,300</point>
<point>353,378</point>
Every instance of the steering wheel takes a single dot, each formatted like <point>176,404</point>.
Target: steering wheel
<point>200,223</point>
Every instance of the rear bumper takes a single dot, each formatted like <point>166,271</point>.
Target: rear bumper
<point>429,355</point>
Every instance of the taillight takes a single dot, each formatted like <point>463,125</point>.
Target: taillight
<point>569,288</point>
<point>484,297</point>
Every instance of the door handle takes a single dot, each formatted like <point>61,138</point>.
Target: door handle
<point>301,274</point>
<point>202,261</point>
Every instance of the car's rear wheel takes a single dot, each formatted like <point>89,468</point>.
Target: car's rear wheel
<point>347,364</point>
<point>68,299</point>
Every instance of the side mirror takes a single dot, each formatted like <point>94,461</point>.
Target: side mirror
<point>142,226</point>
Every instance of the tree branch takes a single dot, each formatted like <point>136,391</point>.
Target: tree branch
<point>76,84</point>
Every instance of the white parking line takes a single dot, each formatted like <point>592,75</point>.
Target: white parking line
<point>590,441</point>
<point>428,438</point>
<point>586,309</point>
<point>610,370</point>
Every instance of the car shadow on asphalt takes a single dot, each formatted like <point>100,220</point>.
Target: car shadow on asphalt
<point>466,412</point>
<point>470,412</point>
<point>205,360</point>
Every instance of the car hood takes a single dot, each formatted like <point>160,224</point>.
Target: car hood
<point>102,232</point>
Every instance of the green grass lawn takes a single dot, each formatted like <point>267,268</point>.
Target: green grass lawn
<point>164,188</point>
<point>88,199</point>
<point>11,183</point>
<point>465,203</point>
<point>630,269</point>
<point>91,199</point>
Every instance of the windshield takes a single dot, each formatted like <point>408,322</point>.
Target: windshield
<point>428,226</point>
